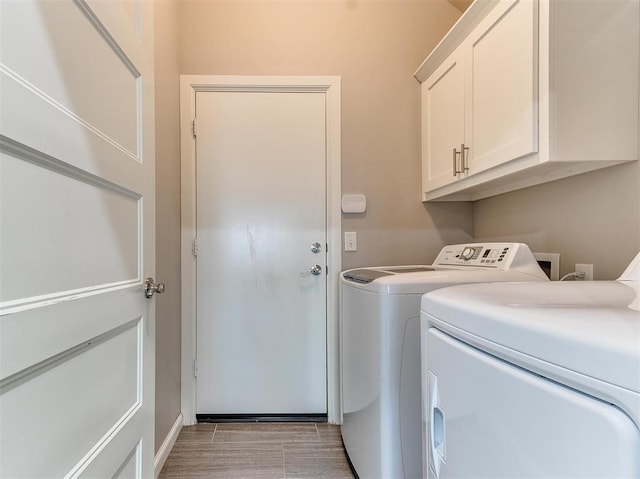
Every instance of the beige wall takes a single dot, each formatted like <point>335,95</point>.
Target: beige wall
<point>167,43</point>
<point>591,218</point>
<point>374,45</point>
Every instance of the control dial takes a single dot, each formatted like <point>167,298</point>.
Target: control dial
<point>467,253</point>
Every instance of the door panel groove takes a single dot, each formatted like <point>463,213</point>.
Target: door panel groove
<point>18,378</point>
<point>43,160</point>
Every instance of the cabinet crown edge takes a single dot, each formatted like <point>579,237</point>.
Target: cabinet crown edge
<point>476,12</point>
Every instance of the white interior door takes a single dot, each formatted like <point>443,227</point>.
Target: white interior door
<point>261,313</point>
<point>76,239</point>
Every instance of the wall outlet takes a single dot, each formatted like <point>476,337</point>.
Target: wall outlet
<point>350,241</point>
<point>587,269</point>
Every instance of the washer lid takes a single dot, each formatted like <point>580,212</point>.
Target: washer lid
<point>420,282</point>
<point>589,327</point>
<point>367,275</point>
<point>364,276</point>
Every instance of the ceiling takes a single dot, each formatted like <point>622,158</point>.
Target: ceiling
<point>461,5</point>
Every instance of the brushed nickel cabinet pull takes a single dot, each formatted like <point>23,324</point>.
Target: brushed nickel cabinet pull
<point>465,158</point>
<point>455,162</point>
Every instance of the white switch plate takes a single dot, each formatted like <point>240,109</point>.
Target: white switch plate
<point>350,241</point>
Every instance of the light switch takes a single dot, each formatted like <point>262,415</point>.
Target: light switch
<point>350,241</point>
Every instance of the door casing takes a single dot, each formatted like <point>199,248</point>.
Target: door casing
<point>330,86</point>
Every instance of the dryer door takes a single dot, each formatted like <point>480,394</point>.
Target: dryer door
<point>503,421</point>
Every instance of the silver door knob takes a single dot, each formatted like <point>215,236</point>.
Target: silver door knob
<point>316,269</point>
<point>150,287</point>
<point>316,247</point>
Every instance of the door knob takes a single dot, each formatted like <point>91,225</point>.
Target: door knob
<point>316,247</point>
<point>150,287</point>
<point>316,269</point>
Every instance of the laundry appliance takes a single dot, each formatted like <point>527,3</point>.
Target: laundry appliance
<point>380,315</point>
<point>533,379</point>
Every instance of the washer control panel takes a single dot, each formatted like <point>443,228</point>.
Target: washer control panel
<point>488,255</point>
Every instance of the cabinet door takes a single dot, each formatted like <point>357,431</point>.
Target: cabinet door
<point>501,99</point>
<point>442,122</point>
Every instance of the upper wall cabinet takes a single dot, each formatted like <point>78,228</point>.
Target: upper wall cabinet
<point>521,92</point>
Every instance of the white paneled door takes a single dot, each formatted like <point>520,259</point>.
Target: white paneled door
<point>261,252</point>
<point>76,239</point>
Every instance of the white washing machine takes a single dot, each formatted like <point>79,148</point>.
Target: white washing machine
<point>533,380</point>
<point>380,314</point>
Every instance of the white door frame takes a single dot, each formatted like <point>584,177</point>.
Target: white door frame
<point>330,86</point>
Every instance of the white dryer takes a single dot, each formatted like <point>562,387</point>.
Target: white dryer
<point>533,380</point>
<point>380,312</point>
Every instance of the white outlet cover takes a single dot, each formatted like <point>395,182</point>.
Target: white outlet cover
<point>585,268</point>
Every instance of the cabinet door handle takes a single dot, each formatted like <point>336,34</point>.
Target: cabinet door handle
<point>464,164</point>
<point>455,162</point>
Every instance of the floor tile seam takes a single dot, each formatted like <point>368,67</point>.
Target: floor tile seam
<point>273,440</point>
<point>265,426</point>
<point>255,445</point>
<point>284,465</point>
<point>306,448</point>
<point>317,432</point>
<point>271,436</point>
<point>276,438</point>
<point>266,431</point>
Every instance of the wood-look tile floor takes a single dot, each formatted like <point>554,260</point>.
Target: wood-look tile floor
<point>258,450</point>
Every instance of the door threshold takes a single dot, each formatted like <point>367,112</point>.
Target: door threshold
<point>261,418</point>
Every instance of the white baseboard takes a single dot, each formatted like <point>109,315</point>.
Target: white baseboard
<point>167,445</point>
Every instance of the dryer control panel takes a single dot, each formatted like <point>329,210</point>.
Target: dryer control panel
<point>502,256</point>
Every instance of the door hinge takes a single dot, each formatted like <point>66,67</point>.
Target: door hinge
<point>195,128</point>
<point>195,367</point>
<point>194,247</point>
